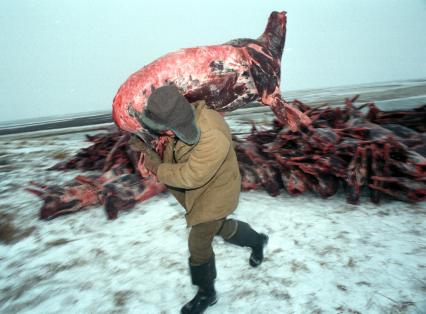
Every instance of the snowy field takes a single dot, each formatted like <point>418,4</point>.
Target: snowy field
<point>324,256</point>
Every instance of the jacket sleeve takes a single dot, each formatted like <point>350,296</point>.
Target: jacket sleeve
<point>204,161</point>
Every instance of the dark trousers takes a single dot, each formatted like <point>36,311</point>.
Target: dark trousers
<point>201,238</point>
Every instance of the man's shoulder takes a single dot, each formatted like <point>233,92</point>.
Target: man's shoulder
<point>199,102</point>
<point>209,119</point>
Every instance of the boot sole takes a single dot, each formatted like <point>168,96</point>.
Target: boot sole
<point>208,305</point>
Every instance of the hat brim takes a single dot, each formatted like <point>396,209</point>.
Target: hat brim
<point>188,133</point>
<point>153,125</point>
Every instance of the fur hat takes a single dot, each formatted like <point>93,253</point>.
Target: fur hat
<point>167,109</point>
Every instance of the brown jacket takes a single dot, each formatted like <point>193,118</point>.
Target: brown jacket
<point>204,177</point>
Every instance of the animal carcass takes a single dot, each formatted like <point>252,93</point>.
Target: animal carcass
<point>226,76</point>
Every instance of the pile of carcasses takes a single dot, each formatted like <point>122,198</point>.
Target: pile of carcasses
<point>355,149</point>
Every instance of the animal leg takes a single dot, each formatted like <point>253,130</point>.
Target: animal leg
<point>288,114</point>
<point>108,160</point>
<point>152,188</point>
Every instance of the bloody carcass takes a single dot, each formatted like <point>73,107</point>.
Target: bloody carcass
<point>226,76</point>
<point>341,148</point>
<point>114,181</point>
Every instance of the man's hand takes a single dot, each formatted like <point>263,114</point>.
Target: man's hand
<point>151,159</point>
<point>152,162</point>
<point>137,144</point>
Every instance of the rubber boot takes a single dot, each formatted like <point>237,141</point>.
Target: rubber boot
<point>202,276</point>
<point>246,236</point>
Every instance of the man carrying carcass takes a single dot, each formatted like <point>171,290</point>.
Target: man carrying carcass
<point>200,169</point>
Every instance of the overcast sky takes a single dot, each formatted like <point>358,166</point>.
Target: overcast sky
<point>69,56</point>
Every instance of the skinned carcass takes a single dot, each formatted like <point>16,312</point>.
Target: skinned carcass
<point>226,76</point>
<point>117,189</point>
<point>116,184</point>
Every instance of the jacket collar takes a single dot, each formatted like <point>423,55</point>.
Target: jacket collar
<point>199,106</point>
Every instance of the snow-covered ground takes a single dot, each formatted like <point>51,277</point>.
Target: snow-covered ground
<point>324,256</point>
